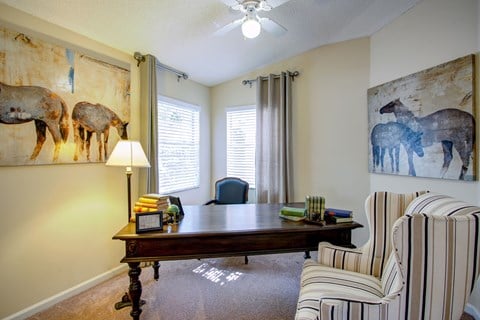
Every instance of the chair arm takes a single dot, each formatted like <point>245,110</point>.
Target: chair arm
<point>335,307</point>
<point>210,202</point>
<point>339,257</point>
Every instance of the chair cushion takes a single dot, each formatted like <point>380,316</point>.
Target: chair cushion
<point>321,282</point>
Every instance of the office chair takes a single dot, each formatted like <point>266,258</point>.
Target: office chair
<point>230,190</point>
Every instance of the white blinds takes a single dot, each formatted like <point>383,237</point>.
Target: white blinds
<point>241,128</point>
<point>178,146</point>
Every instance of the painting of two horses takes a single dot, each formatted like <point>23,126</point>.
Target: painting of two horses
<point>423,124</point>
<point>53,100</point>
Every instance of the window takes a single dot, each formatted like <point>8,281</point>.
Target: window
<point>241,129</point>
<point>178,145</point>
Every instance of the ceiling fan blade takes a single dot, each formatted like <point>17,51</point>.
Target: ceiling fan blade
<point>271,26</point>
<point>229,27</point>
<point>230,3</point>
<point>275,3</point>
<point>234,5</point>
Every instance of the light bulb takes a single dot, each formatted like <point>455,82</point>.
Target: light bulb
<point>251,28</point>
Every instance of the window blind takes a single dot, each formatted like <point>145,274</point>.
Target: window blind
<point>178,145</point>
<point>241,130</point>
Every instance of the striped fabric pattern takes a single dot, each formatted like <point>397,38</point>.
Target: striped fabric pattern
<point>439,204</point>
<point>430,273</point>
<point>382,210</point>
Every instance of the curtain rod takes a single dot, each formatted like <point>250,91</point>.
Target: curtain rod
<point>141,58</point>
<point>291,74</point>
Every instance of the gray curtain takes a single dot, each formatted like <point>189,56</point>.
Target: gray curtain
<point>148,117</point>
<point>273,163</point>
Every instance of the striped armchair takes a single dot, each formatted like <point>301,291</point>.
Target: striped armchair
<point>382,210</point>
<point>429,274</point>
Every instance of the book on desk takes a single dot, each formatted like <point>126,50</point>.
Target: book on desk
<point>333,215</point>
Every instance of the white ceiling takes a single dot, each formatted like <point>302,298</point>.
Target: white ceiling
<point>180,32</point>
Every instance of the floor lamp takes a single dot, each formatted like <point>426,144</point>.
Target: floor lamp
<point>128,154</point>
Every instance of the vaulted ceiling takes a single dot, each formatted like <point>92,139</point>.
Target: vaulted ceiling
<point>180,33</point>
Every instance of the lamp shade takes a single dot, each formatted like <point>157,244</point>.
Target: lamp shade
<point>128,154</point>
<point>251,28</point>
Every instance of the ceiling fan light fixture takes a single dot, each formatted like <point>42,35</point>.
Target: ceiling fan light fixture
<point>251,28</point>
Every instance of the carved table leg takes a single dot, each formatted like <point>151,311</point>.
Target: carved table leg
<point>307,255</point>
<point>135,289</point>
<point>126,302</point>
<point>156,266</point>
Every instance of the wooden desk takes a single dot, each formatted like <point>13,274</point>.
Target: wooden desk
<point>221,231</point>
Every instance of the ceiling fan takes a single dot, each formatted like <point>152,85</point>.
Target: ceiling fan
<point>251,23</point>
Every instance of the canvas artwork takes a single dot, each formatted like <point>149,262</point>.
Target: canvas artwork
<point>58,105</point>
<point>424,124</point>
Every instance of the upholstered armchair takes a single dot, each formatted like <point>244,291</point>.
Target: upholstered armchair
<point>382,210</point>
<point>429,274</point>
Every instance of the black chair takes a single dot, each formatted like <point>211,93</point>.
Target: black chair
<point>230,190</point>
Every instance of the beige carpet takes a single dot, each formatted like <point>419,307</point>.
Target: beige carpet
<point>215,289</point>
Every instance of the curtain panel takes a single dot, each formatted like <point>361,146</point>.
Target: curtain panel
<point>273,163</point>
<point>148,116</point>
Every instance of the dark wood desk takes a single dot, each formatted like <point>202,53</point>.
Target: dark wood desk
<point>221,231</point>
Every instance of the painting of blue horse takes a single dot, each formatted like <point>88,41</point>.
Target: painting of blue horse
<point>389,136</point>
<point>453,128</point>
<point>438,104</point>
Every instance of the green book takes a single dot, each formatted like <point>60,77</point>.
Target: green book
<point>292,211</point>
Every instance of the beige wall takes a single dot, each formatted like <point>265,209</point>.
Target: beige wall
<point>329,123</point>
<point>58,220</point>
<point>435,31</point>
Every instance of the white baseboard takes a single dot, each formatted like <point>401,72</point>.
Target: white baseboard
<point>470,309</point>
<point>42,305</point>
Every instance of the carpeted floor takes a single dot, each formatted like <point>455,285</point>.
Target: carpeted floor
<point>214,289</point>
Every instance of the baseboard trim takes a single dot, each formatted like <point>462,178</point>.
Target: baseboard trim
<point>47,303</point>
<point>473,311</point>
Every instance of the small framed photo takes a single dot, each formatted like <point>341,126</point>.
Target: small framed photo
<point>150,221</point>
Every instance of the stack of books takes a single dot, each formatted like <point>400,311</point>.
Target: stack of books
<point>292,213</point>
<point>338,215</point>
<point>151,202</point>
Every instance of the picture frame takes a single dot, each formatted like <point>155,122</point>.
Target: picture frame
<point>149,222</point>
<point>81,94</point>
<point>423,124</point>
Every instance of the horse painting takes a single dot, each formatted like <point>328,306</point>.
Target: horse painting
<point>21,104</point>
<point>389,136</point>
<point>88,118</point>
<point>450,127</point>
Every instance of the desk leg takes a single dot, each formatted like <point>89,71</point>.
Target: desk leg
<point>156,266</point>
<point>135,289</point>
<point>307,255</point>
